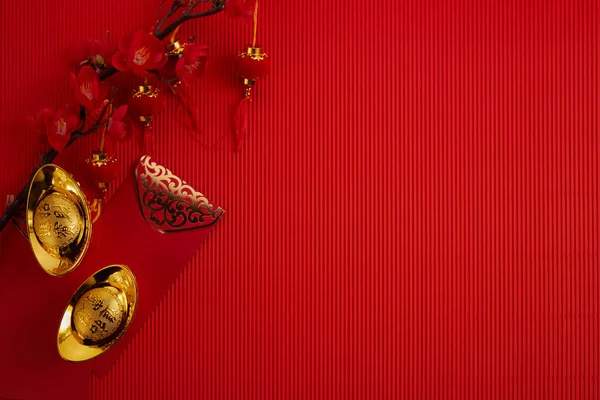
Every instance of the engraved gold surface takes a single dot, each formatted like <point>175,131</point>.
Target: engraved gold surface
<point>59,226</point>
<point>98,314</point>
<point>56,222</point>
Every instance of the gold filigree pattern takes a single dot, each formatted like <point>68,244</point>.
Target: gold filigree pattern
<point>146,91</point>
<point>168,203</point>
<point>254,53</point>
<point>99,160</point>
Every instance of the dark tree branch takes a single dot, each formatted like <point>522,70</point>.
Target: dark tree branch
<point>216,6</point>
<point>174,7</point>
<point>107,73</point>
<point>206,13</point>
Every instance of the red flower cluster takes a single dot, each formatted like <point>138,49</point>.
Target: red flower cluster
<point>193,62</point>
<point>140,52</point>
<point>99,53</point>
<point>89,91</point>
<point>58,125</point>
<point>92,95</point>
<point>117,124</point>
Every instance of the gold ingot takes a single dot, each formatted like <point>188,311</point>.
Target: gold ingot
<point>98,314</point>
<point>59,225</point>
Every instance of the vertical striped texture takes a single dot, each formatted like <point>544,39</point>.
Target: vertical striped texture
<point>413,215</point>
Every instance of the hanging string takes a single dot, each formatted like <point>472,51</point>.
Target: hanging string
<point>193,124</point>
<point>103,136</point>
<point>241,123</point>
<point>241,113</point>
<point>174,35</point>
<point>255,24</point>
<point>148,138</point>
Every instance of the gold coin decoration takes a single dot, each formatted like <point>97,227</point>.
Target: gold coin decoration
<point>59,225</point>
<point>57,222</point>
<point>98,314</point>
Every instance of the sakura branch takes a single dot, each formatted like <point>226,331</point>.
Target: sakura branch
<point>216,6</point>
<point>144,61</point>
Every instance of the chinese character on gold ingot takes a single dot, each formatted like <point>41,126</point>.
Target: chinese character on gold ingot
<point>44,210</point>
<point>98,324</point>
<point>63,211</point>
<point>61,231</point>
<point>109,315</point>
<point>43,230</point>
<point>96,302</point>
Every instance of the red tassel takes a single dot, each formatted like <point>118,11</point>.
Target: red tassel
<point>241,122</point>
<point>148,140</point>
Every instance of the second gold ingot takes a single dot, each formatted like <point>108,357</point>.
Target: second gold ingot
<point>98,314</point>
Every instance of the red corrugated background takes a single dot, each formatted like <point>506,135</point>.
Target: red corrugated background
<point>414,213</point>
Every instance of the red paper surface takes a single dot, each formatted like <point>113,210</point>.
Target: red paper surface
<point>120,236</point>
<point>414,213</point>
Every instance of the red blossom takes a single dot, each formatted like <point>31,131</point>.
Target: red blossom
<point>60,126</point>
<point>118,125</point>
<point>95,51</point>
<point>240,8</point>
<point>101,52</point>
<point>193,62</point>
<point>140,52</point>
<point>38,124</point>
<point>88,90</point>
